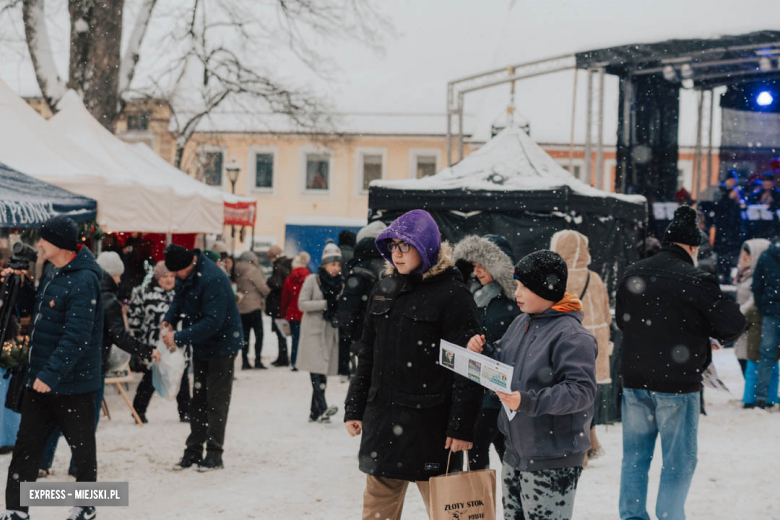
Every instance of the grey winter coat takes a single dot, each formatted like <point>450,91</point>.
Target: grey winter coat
<point>318,346</point>
<point>555,372</point>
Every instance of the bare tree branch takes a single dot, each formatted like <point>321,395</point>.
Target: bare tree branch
<point>52,86</point>
<point>133,52</point>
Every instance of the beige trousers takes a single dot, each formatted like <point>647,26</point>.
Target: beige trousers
<point>384,498</point>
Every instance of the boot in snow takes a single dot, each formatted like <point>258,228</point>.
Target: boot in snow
<point>211,462</point>
<point>188,460</point>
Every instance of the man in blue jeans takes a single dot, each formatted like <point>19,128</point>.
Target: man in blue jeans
<point>766,292</point>
<point>668,311</point>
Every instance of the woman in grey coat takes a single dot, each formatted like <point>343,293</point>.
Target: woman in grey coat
<point>318,346</point>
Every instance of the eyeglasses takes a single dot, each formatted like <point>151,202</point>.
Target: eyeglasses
<point>403,247</point>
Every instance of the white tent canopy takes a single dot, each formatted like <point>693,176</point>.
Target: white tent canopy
<point>157,201</point>
<point>29,146</point>
<point>511,161</point>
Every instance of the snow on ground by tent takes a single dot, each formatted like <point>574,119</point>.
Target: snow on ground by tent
<point>280,466</point>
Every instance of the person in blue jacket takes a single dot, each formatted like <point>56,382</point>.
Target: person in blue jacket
<point>211,324</point>
<point>64,369</point>
<point>492,261</point>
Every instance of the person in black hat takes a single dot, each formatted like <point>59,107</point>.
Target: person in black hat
<point>64,370</point>
<point>668,310</point>
<point>205,303</point>
<point>552,395</point>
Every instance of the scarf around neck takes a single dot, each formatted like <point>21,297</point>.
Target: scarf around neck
<point>331,289</point>
<point>483,295</point>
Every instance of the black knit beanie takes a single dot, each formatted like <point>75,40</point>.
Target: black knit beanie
<point>683,228</point>
<point>544,273</point>
<point>61,232</point>
<point>177,257</point>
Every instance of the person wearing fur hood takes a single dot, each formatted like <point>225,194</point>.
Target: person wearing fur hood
<point>748,346</point>
<point>411,412</point>
<point>492,261</point>
<point>597,318</point>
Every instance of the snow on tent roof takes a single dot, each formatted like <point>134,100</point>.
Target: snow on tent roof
<point>511,161</point>
<point>27,202</point>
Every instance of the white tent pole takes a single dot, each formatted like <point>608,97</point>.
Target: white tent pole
<point>573,118</point>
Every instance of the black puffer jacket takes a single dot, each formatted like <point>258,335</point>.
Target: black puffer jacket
<point>67,328</point>
<point>114,331</point>
<point>668,309</point>
<point>408,404</point>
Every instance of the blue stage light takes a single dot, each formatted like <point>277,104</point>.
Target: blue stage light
<point>764,99</point>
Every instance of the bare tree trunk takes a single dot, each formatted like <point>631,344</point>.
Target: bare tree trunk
<point>37,36</point>
<point>95,56</point>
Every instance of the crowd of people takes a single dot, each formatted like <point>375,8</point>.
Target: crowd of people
<point>374,313</point>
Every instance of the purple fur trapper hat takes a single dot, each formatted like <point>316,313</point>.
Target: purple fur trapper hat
<point>417,228</point>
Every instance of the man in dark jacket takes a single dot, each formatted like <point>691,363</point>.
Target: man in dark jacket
<point>727,224</point>
<point>282,267</point>
<point>668,311</point>
<point>766,292</point>
<point>410,411</point>
<point>362,272</point>
<point>64,369</point>
<point>206,305</point>
<point>114,333</point>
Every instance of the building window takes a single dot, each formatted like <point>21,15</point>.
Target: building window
<point>317,171</point>
<point>371,168</point>
<point>138,121</point>
<point>212,168</point>
<point>426,165</point>
<point>576,169</point>
<point>264,171</point>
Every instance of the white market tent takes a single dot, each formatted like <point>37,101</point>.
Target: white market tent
<point>29,146</point>
<point>160,202</point>
<point>208,194</point>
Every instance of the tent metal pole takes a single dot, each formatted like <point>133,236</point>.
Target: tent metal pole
<point>586,176</point>
<point>449,137</point>
<point>709,137</point>
<point>460,127</point>
<point>168,238</point>
<point>697,150</point>
<point>573,118</point>
<point>600,142</point>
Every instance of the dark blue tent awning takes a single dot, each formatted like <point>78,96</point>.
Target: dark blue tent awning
<point>28,202</point>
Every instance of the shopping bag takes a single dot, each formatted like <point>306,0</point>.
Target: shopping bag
<point>167,373</point>
<point>468,495</point>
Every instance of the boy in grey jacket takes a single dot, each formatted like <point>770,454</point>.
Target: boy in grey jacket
<point>554,386</point>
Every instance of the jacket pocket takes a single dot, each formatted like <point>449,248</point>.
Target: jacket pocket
<point>372,393</point>
<point>418,401</point>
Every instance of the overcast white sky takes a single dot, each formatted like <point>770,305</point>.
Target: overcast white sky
<point>439,40</point>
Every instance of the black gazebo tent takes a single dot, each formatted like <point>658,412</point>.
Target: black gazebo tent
<point>27,202</point>
<point>513,188</point>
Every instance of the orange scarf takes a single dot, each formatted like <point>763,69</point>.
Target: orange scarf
<point>569,303</point>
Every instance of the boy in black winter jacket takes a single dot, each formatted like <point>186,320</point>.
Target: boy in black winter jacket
<point>554,386</point>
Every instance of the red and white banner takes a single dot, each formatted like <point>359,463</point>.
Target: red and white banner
<point>240,213</point>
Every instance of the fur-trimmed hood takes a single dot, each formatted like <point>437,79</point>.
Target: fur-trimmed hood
<point>443,262</point>
<point>476,249</point>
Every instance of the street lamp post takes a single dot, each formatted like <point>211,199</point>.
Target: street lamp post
<point>233,168</point>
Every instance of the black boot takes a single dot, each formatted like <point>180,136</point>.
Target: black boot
<point>211,462</point>
<point>188,460</point>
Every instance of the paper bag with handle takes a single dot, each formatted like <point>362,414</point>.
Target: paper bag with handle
<point>468,495</point>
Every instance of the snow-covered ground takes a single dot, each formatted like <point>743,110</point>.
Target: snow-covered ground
<point>279,466</point>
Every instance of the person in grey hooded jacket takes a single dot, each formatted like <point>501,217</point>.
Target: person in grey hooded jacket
<point>554,386</point>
